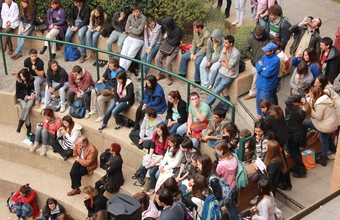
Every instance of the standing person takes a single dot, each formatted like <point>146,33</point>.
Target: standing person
<point>67,135</point>
<point>265,204</point>
<point>177,112</point>
<point>172,36</point>
<point>306,35</point>
<point>52,210</point>
<point>227,7</point>
<point>198,114</point>
<point>85,154</point>
<point>211,60</point>
<point>57,25</point>
<point>57,80</point>
<point>262,12</point>
<point>196,52</point>
<point>81,84</point>
<point>79,19</point>
<point>229,60</point>
<point>324,119</point>
<point>95,28</point>
<point>258,38</point>
<point>154,97</point>
<point>24,91</point>
<point>24,202</point>
<point>10,21</point>
<point>113,178</point>
<point>46,131</point>
<point>268,69</point>
<point>152,42</point>
<point>240,8</point>
<point>94,202</point>
<point>227,168</point>
<point>107,81</point>
<point>122,100</point>
<point>329,59</point>
<point>27,20</point>
<point>311,58</point>
<point>118,23</point>
<point>135,39</point>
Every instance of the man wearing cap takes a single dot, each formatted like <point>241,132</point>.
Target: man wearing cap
<point>268,68</point>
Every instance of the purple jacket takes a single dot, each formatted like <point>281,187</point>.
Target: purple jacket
<point>58,18</point>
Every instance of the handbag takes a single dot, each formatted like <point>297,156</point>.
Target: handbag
<point>167,48</point>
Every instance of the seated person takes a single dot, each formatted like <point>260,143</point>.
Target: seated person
<point>67,135</point>
<point>57,80</point>
<point>108,81</point>
<point>79,19</point>
<point>171,210</point>
<point>200,191</point>
<point>25,202</point>
<point>177,112</point>
<point>94,202</point>
<point>198,119</point>
<point>142,138</point>
<point>52,210</point>
<point>81,84</point>
<point>154,96</point>
<point>214,133</point>
<point>149,210</point>
<point>186,162</point>
<point>301,74</point>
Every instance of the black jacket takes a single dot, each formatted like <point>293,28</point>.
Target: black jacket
<point>84,15</point>
<point>333,65</point>
<point>173,30</point>
<point>129,98</point>
<point>22,90</point>
<point>99,203</point>
<point>114,172</point>
<point>118,25</point>
<point>182,110</point>
<point>60,77</point>
<point>298,33</point>
<point>278,127</point>
<point>296,115</point>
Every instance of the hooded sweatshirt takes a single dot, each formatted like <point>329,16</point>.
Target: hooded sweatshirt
<point>324,116</point>
<point>173,30</point>
<point>217,34</point>
<point>228,170</point>
<point>268,72</point>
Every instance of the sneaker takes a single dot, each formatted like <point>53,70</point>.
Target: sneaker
<point>253,200</point>
<point>44,106</point>
<point>247,97</point>
<point>239,24</point>
<point>118,127</point>
<point>202,92</point>
<point>34,148</point>
<point>170,80</point>
<point>138,76</point>
<point>82,59</point>
<point>210,86</point>
<point>43,151</point>
<point>99,119</point>
<point>92,112</point>
<point>37,104</point>
<point>101,128</point>
<point>87,114</point>
<point>235,22</point>
<point>62,108</point>
<point>151,192</point>
<point>331,156</point>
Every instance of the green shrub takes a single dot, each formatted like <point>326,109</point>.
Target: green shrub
<point>241,37</point>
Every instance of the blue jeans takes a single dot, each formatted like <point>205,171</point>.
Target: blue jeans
<point>92,38</point>
<point>114,110</point>
<point>81,36</point>
<point>260,94</point>
<point>324,137</point>
<point>37,83</point>
<point>183,66</point>
<point>152,172</point>
<point>21,41</point>
<point>264,23</point>
<point>173,128</point>
<point>114,36</point>
<point>23,209</point>
<point>230,205</point>
<point>147,58</point>
<point>208,79</point>
<point>221,83</point>
<point>182,130</point>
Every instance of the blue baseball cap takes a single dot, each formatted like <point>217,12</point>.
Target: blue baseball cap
<point>269,47</point>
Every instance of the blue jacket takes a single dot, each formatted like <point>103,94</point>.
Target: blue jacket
<point>268,72</point>
<point>157,99</point>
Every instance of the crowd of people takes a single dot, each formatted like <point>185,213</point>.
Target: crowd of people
<point>173,164</point>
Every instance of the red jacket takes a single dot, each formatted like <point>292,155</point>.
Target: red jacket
<point>85,82</point>
<point>28,199</point>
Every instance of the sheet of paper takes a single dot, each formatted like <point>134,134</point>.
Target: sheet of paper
<point>259,163</point>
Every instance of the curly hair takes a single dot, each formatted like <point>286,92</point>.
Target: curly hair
<point>29,9</point>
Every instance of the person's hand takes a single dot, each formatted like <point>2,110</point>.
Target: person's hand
<point>224,51</point>
<point>140,141</point>
<point>208,64</point>
<point>55,27</point>
<point>31,97</point>
<point>144,106</point>
<point>261,63</point>
<point>189,132</point>
<point>23,31</point>
<point>78,95</point>
<point>14,73</point>
<point>152,164</point>
<point>51,90</point>
<point>148,51</point>
<point>299,55</point>
<point>171,123</point>
<point>74,29</point>
<point>100,81</point>
<point>255,166</point>
<point>161,169</point>
<point>254,209</point>
<point>205,138</point>
<point>178,179</point>
<point>258,116</point>
<point>34,67</point>
<point>192,57</point>
<point>165,35</point>
<point>297,78</point>
<point>77,158</point>
<point>51,26</point>
<point>303,100</point>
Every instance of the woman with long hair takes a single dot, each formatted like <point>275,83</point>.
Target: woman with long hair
<point>24,202</point>
<point>123,99</point>
<point>311,58</point>
<point>65,216</point>
<point>177,112</point>
<point>152,42</point>
<point>275,164</point>
<point>95,28</point>
<point>27,18</point>
<point>149,209</point>
<point>67,136</point>
<point>94,202</point>
<point>113,179</point>
<point>200,190</point>
<point>24,90</point>
<point>324,119</point>
<point>10,21</point>
<point>186,163</point>
<point>154,96</point>
<point>52,209</point>
<point>57,25</point>
<point>265,202</point>
<point>227,168</point>
<point>46,131</point>
<point>259,141</point>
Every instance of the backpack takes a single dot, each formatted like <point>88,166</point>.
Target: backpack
<point>10,203</point>
<point>211,209</point>
<point>242,66</point>
<point>225,187</point>
<point>71,53</point>
<point>77,110</point>
<point>54,103</point>
<point>104,157</point>
<point>241,175</point>
<point>222,104</point>
<point>187,213</point>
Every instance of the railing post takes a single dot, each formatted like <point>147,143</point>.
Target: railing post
<point>97,65</point>
<point>49,50</point>
<point>188,95</point>
<point>3,56</point>
<point>142,81</point>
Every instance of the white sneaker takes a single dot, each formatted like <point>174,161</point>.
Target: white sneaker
<point>43,151</point>
<point>210,86</point>
<point>92,112</point>
<point>87,115</point>
<point>62,108</point>
<point>99,119</point>
<point>235,22</point>
<point>44,106</point>
<point>239,24</point>
<point>138,76</point>
<point>34,148</point>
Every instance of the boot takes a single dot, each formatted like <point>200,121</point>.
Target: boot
<point>301,172</point>
<point>42,51</point>
<point>20,124</point>
<point>322,160</point>
<point>29,130</point>
<point>44,150</point>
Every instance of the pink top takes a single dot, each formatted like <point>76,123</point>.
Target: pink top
<point>159,147</point>
<point>263,4</point>
<point>228,170</point>
<point>52,128</point>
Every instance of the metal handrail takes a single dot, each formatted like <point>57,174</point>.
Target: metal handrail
<point>232,119</point>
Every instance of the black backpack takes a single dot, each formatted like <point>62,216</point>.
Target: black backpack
<point>242,66</point>
<point>104,157</point>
